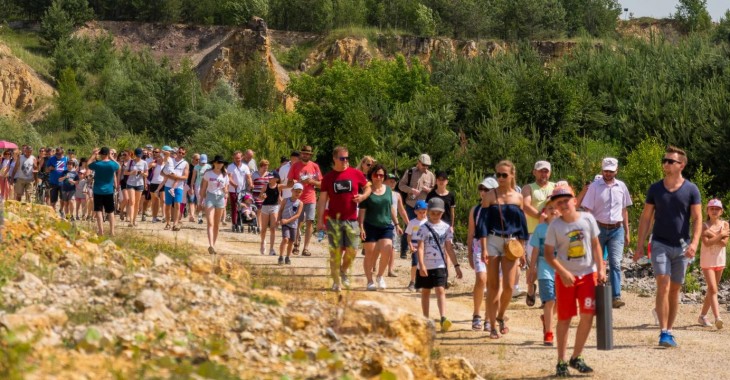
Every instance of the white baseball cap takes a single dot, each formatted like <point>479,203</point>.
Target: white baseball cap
<point>489,183</point>
<point>425,159</point>
<point>540,165</point>
<point>298,186</point>
<point>610,164</point>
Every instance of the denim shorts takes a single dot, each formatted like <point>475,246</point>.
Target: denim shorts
<point>375,233</point>
<point>135,188</point>
<point>668,260</point>
<point>215,200</point>
<point>547,290</point>
<point>414,259</point>
<point>288,232</point>
<point>170,200</point>
<point>479,265</point>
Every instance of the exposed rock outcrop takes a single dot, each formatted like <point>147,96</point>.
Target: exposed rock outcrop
<point>20,85</point>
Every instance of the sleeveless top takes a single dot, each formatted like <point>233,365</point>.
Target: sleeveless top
<point>538,200</point>
<point>713,256</point>
<point>272,196</point>
<point>290,209</point>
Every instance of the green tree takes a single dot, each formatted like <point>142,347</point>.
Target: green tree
<point>56,24</point>
<point>239,12</point>
<point>527,19</point>
<point>425,23</point>
<point>302,15</point>
<point>693,15</point>
<point>722,30</point>
<point>69,101</point>
<point>596,17</point>
<point>349,13</point>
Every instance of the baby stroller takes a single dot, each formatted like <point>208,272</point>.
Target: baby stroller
<point>247,214</point>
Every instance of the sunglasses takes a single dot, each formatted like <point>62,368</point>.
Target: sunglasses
<point>669,161</point>
<point>502,175</point>
<point>378,175</point>
<point>342,158</point>
<point>368,165</point>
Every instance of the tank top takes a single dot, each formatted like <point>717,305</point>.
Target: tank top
<point>272,196</point>
<point>157,174</point>
<point>539,198</point>
<point>290,209</point>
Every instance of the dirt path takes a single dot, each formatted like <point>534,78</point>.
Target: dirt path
<point>703,352</point>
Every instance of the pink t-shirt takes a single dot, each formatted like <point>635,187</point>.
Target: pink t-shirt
<point>300,171</point>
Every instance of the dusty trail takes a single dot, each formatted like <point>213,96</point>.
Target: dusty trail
<point>703,351</point>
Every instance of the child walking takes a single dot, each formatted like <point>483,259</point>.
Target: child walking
<point>573,250</point>
<point>289,211</point>
<point>412,237</point>
<point>544,273</point>
<point>715,232</point>
<point>69,179</point>
<point>435,240</point>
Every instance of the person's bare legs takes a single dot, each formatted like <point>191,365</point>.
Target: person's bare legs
<point>385,247</point>
<point>441,300</point>
<point>371,257</point>
<point>493,287</point>
<point>129,203</point>
<point>581,334</point>
<point>480,284</point>
<point>509,269</point>
<point>273,221</point>
<point>175,211</point>
<point>662,300</point>
<point>547,312</point>
<point>210,219</point>
<point>425,301</point>
<point>711,295</point>
<point>308,235</point>
<point>562,338</point>
<point>673,300</point>
<point>110,216</point>
<point>99,222</point>
<point>264,221</point>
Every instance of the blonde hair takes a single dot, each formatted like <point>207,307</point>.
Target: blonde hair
<point>512,171</point>
<point>365,159</point>
<point>263,162</point>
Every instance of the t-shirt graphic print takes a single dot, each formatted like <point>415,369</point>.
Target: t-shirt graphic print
<point>343,186</point>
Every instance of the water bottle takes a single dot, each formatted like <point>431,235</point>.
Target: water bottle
<point>320,236</point>
<point>684,245</point>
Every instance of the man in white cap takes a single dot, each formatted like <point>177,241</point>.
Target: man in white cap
<point>607,199</point>
<point>534,197</point>
<point>415,185</point>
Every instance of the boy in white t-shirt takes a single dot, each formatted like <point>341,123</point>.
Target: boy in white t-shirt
<point>435,240</point>
<point>573,250</point>
<point>412,236</point>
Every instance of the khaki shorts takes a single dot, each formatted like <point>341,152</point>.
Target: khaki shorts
<point>24,186</point>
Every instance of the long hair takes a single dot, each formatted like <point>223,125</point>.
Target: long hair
<point>512,171</point>
<point>366,159</point>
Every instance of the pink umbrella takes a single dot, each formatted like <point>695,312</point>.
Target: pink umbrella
<point>7,145</point>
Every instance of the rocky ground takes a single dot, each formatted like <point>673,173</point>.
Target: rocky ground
<point>77,306</point>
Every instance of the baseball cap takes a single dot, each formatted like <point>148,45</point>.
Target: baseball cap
<point>442,174</point>
<point>203,158</point>
<point>425,159</point>
<point>294,153</point>
<point>562,191</point>
<point>247,197</point>
<point>275,174</point>
<point>392,176</point>
<point>714,203</point>
<point>167,148</point>
<point>489,183</point>
<point>610,164</point>
<point>138,152</point>
<point>149,147</point>
<point>420,205</point>
<point>298,186</point>
<point>436,204</point>
<point>104,151</point>
<point>540,165</point>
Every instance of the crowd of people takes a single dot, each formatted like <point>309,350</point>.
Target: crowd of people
<point>564,240</point>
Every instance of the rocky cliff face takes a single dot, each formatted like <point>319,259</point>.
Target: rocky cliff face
<point>20,85</point>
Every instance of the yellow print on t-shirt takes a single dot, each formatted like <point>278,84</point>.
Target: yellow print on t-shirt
<point>576,249</point>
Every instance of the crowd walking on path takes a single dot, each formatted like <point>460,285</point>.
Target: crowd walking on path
<point>567,244</point>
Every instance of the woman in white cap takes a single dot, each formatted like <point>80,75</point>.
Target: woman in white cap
<point>136,172</point>
<point>477,216</point>
<point>198,172</point>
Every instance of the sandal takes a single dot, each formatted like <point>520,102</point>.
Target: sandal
<point>167,226</point>
<point>530,299</point>
<point>493,334</point>
<point>306,253</point>
<point>176,227</point>
<point>502,328</point>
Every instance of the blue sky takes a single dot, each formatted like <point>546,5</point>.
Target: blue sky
<point>663,8</point>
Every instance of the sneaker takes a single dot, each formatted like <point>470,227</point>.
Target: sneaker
<point>371,286</point>
<point>476,323</point>
<point>287,261</point>
<point>718,323</point>
<point>580,364</point>
<point>381,283</point>
<point>666,339</point>
<point>445,324</point>
<point>519,293</point>
<point>411,286</point>
<point>63,216</point>
<point>156,220</point>
<point>548,338</point>
<point>281,260</point>
<point>335,287</point>
<point>403,256</point>
<point>617,303</point>
<point>144,217</point>
<point>272,253</point>
<point>200,220</point>
<point>702,320</point>
<point>561,370</point>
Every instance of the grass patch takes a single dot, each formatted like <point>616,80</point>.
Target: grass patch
<point>28,47</point>
<point>263,277</point>
<point>13,355</point>
<point>149,247</point>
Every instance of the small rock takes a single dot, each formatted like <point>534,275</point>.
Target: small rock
<point>31,258</point>
<point>163,260</point>
<point>200,265</point>
<point>454,368</point>
<point>331,334</point>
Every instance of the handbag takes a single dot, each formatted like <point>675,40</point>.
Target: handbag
<point>513,249</point>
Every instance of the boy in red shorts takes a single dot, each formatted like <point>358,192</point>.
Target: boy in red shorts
<point>573,250</point>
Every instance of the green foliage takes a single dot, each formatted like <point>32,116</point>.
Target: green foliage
<point>257,86</point>
<point>20,133</point>
<point>596,17</point>
<point>28,47</point>
<point>424,23</point>
<point>240,12</point>
<point>722,30</point>
<point>305,15</point>
<point>69,103</point>
<point>693,15</point>
<point>643,167</point>
<point>56,24</point>
<point>13,354</point>
<point>528,19</point>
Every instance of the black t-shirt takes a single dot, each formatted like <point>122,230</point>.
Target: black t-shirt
<point>272,196</point>
<point>449,203</point>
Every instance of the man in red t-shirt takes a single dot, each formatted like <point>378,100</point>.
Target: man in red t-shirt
<point>308,174</point>
<point>344,187</point>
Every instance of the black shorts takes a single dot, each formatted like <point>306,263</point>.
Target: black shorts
<point>375,233</point>
<point>55,192</point>
<point>436,278</point>
<point>104,202</point>
<point>154,187</point>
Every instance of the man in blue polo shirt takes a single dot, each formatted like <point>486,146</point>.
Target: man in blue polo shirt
<point>671,203</point>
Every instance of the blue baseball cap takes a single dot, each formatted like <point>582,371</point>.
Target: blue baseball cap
<point>420,205</point>
<point>167,148</point>
<point>203,158</point>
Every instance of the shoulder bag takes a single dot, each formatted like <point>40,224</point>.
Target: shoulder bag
<point>513,249</point>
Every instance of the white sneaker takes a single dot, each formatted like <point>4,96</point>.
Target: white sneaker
<point>381,283</point>
<point>702,320</point>
<point>345,280</point>
<point>371,286</point>
<point>335,287</point>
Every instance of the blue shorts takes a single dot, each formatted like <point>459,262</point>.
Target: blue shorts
<point>547,290</point>
<point>215,201</point>
<point>668,260</point>
<point>414,259</point>
<point>374,233</point>
<point>170,200</point>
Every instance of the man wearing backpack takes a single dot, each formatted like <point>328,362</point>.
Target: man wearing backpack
<point>415,185</point>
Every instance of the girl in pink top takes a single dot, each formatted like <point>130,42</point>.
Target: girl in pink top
<point>715,233</point>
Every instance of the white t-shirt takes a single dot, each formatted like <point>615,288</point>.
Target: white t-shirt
<point>572,242</point>
<point>157,174</point>
<point>284,174</point>
<point>134,179</point>
<point>413,227</point>
<point>239,175</point>
<point>25,171</point>
<point>178,169</point>
<point>431,253</point>
<point>217,184</point>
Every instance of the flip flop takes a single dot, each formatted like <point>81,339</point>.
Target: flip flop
<point>502,328</point>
